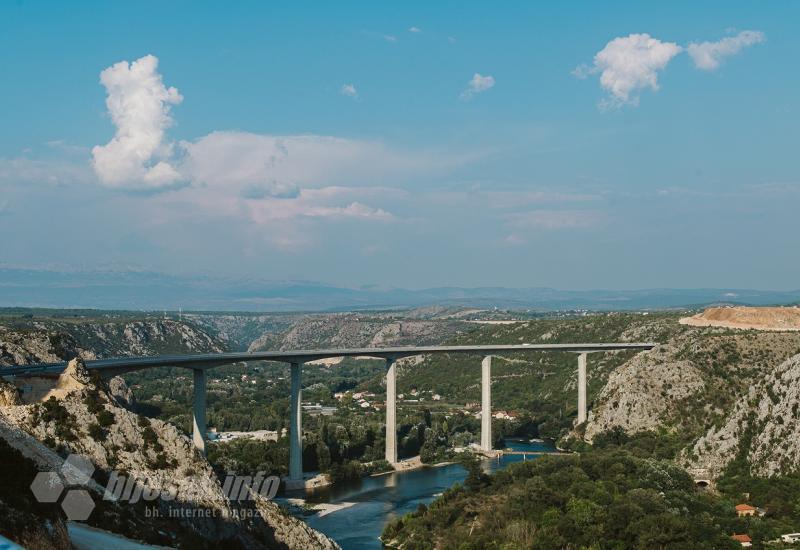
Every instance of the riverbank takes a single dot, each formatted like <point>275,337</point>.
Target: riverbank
<point>365,505</point>
<point>300,507</point>
<point>410,464</point>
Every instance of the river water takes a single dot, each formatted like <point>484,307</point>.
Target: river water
<point>378,500</point>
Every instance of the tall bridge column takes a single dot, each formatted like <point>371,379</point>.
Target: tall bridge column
<point>199,416</point>
<point>295,427</point>
<point>581,388</point>
<point>486,403</point>
<point>391,411</point>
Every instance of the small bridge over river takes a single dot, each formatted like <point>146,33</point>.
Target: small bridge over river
<point>201,363</point>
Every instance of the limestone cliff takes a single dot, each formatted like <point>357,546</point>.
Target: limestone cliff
<point>79,413</point>
<point>644,392</point>
<point>764,428</point>
<point>722,393</point>
<point>51,340</point>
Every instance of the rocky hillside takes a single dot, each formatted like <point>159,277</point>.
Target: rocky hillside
<point>238,330</point>
<point>763,428</point>
<point>49,340</point>
<point>85,415</point>
<point>88,420</point>
<point>710,389</point>
<point>348,330</point>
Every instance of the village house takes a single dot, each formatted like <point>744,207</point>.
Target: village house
<point>745,510</point>
<point>744,540</point>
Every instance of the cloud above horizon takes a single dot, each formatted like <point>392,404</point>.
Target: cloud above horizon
<point>477,85</point>
<point>241,165</point>
<point>708,56</point>
<point>628,65</point>
<point>349,90</point>
<point>139,104</point>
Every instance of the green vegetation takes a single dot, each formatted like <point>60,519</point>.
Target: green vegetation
<point>64,421</point>
<point>533,383</point>
<point>601,499</point>
<point>623,492</point>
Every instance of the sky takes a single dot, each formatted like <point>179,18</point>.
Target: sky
<point>576,145</point>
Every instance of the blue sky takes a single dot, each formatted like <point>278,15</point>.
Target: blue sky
<point>405,144</point>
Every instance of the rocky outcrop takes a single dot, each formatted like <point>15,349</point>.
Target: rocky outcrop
<point>155,453</point>
<point>75,375</point>
<point>643,393</point>
<point>51,341</point>
<point>21,346</point>
<point>121,393</point>
<point>292,532</point>
<point>764,428</point>
<point>723,394</point>
<point>9,395</point>
<point>82,414</point>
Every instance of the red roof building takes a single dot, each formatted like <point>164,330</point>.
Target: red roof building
<point>744,540</point>
<point>745,510</point>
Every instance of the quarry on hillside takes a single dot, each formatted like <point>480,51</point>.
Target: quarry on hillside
<point>758,318</point>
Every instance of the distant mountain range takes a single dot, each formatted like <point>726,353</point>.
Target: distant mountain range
<point>137,290</point>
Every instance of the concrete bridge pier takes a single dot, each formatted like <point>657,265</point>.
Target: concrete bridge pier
<point>199,416</point>
<point>486,403</point>
<point>391,411</point>
<point>581,388</point>
<point>296,426</point>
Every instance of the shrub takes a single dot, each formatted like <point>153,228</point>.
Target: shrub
<point>95,431</point>
<point>105,418</point>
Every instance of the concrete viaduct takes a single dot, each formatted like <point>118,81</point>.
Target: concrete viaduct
<point>201,363</point>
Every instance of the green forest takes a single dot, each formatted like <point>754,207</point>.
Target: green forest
<point>617,495</point>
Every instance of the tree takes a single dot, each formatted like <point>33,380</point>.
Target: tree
<point>323,456</point>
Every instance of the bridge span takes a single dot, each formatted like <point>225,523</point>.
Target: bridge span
<point>200,363</point>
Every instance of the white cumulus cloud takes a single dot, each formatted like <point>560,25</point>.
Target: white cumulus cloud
<point>708,55</point>
<point>138,156</point>
<point>629,64</point>
<point>349,90</point>
<point>477,85</point>
<point>415,30</point>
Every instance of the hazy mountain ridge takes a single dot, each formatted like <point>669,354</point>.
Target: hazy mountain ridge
<point>155,291</point>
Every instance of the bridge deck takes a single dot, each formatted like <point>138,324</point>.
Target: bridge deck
<point>211,360</point>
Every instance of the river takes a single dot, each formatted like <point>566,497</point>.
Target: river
<point>376,500</point>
